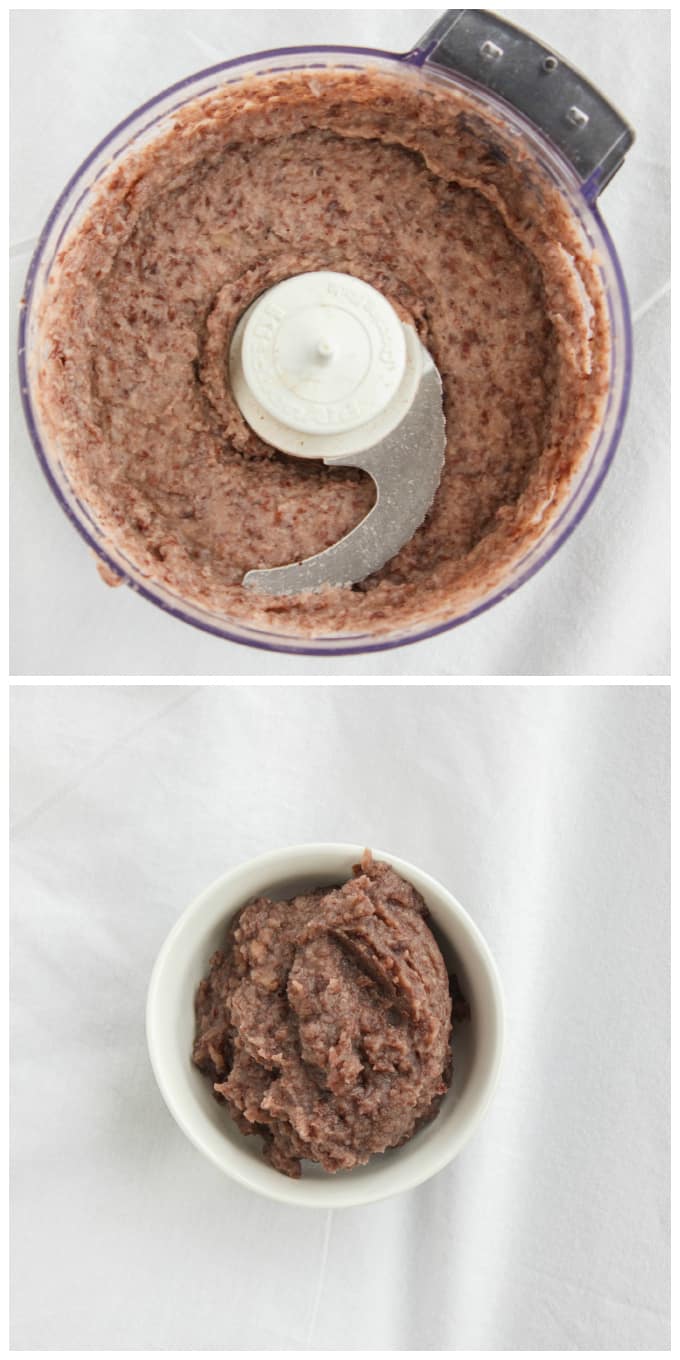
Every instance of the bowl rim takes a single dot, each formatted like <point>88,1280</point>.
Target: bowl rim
<point>333,1192</point>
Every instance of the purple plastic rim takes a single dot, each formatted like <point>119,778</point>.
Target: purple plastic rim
<point>560,529</point>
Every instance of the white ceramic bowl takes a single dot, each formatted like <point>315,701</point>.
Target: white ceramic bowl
<point>183,961</point>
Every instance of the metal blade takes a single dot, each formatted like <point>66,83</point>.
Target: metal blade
<point>406,467</point>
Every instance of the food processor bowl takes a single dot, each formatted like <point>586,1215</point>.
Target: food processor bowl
<point>584,144</point>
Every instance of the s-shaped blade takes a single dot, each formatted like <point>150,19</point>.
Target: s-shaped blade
<point>406,467</point>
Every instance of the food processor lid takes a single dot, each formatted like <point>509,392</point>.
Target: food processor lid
<point>539,83</point>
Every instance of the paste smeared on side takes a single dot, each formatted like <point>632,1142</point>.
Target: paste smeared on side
<point>325,1022</point>
<point>402,184</point>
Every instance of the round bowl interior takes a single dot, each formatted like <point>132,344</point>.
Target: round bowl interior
<point>149,122</point>
<point>183,961</point>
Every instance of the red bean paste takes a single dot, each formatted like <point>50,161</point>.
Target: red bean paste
<point>324,1023</point>
<point>403,184</point>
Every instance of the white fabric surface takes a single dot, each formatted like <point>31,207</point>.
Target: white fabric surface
<point>545,811</point>
<point>600,607</point>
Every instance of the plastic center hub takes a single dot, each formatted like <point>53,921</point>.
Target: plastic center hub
<point>323,353</point>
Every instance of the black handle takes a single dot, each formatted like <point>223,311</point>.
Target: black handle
<point>560,102</point>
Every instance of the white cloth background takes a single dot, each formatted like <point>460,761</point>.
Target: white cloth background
<point>600,607</point>
<point>545,811</point>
